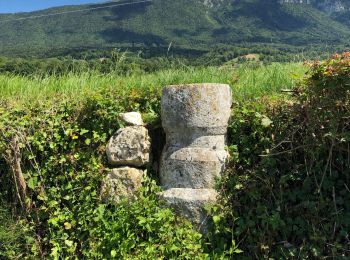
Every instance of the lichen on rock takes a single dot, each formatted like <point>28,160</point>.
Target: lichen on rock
<point>130,146</point>
<point>121,183</point>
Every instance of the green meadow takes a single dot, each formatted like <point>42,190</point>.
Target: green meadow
<point>248,81</point>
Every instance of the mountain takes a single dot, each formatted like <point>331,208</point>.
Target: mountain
<point>188,24</point>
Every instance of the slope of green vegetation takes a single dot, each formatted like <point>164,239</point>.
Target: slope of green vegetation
<point>162,22</point>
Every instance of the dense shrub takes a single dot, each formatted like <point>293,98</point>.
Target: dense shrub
<point>287,188</point>
<point>116,61</point>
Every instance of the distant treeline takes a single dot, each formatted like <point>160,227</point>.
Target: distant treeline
<point>123,61</point>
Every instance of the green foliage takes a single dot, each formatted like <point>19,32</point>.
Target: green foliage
<point>63,123</point>
<point>14,235</point>
<point>142,229</point>
<point>285,193</point>
<point>115,61</point>
<point>248,82</point>
<point>287,189</point>
<point>331,75</point>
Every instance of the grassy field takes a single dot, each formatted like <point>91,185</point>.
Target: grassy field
<point>11,233</point>
<point>248,81</point>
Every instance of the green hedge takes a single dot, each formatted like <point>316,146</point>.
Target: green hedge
<point>287,189</point>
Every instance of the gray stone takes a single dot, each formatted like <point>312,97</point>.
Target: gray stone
<point>191,167</point>
<point>190,204</point>
<point>204,107</point>
<point>129,146</point>
<point>195,119</point>
<point>121,183</point>
<point>132,118</point>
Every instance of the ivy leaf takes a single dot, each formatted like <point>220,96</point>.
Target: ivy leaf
<point>83,131</point>
<point>67,225</point>
<point>32,183</point>
<point>69,243</point>
<point>266,122</point>
<point>216,219</point>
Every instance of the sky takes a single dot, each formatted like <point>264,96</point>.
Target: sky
<point>14,6</point>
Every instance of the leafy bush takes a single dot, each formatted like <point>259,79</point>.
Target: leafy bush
<point>287,188</point>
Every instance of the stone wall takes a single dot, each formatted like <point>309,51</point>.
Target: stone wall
<point>129,151</point>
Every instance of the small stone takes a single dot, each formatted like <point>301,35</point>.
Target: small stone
<point>129,146</point>
<point>121,183</point>
<point>132,118</point>
<point>190,203</point>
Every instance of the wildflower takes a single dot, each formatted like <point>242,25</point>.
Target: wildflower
<point>336,56</point>
<point>346,54</point>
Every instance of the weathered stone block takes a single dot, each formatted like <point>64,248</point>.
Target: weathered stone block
<point>190,204</point>
<point>198,106</point>
<point>191,167</point>
<point>121,183</point>
<point>129,146</point>
<point>195,118</point>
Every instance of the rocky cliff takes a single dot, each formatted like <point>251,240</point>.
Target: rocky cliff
<point>329,6</point>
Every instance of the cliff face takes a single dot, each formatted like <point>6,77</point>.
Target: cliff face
<point>212,3</point>
<point>295,1</point>
<point>329,6</point>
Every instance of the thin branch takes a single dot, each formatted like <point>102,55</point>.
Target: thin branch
<point>14,161</point>
<point>330,154</point>
<point>284,152</point>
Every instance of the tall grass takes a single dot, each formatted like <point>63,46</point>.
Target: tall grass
<point>247,82</point>
<point>12,235</point>
<point>266,80</point>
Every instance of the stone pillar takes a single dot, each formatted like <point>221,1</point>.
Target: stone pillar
<point>195,118</point>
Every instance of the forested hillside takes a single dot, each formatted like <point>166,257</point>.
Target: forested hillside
<point>158,23</point>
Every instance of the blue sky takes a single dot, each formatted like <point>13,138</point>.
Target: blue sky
<point>14,6</point>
